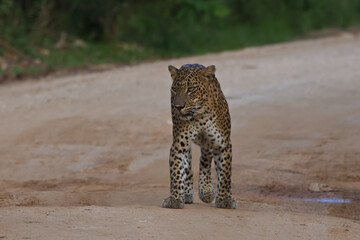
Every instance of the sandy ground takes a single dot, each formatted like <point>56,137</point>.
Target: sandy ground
<point>86,156</point>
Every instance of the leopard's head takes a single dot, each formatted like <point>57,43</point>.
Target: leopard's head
<point>189,90</point>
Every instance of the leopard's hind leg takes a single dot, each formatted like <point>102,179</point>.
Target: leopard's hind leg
<point>206,188</point>
<point>189,181</point>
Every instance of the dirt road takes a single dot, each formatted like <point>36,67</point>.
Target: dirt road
<point>86,156</point>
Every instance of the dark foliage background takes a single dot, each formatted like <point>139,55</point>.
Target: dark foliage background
<point>39,33</point>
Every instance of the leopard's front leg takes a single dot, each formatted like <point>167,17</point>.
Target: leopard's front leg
<point>178,161</point>
<point>223,159</point>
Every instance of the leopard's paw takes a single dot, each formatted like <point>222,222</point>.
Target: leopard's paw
<point>189,198</point>
<point>207,195</point>
<point>228,202</point>
<point>171,202</point>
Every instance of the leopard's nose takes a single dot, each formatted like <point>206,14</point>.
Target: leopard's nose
<point>178,107</point>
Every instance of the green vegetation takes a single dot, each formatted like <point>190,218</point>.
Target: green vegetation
<point>48,34</point>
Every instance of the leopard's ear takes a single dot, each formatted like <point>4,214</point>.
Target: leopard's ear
<point>173,71</point>
<point>209,71</point>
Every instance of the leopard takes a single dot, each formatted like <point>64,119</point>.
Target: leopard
<point>200,115</point>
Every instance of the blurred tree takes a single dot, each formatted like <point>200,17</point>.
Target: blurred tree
<point>167,26</point>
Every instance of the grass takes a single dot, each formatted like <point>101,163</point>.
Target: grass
<point>95,53</point>
<point>162,29</point>
<point>50,58</point>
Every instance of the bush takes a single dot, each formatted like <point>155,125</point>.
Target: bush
<point>159,27</point>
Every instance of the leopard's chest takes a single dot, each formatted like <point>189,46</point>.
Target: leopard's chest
<point>207,134</point>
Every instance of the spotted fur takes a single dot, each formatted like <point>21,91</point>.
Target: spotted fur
<point>200,114</point>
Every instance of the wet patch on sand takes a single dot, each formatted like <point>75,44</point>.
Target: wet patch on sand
<point>324,200</point>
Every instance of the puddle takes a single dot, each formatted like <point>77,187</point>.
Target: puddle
<point>326,199</point>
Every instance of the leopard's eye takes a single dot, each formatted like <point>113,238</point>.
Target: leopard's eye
<point>191,90</point>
